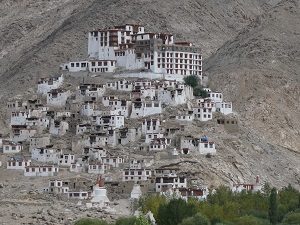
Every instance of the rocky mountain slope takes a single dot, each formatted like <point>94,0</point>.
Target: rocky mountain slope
<point>259,69</point>
<point>251,51</point>
<point>36,36</point>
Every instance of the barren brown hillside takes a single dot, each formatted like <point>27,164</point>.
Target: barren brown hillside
<point>259,69</point>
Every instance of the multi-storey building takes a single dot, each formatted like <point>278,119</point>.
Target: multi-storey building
<point>130,47</point>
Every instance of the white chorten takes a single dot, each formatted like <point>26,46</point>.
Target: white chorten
<point>99,193</point>
<point>136,192</point>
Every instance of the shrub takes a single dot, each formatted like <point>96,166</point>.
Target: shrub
<point>126,221</point>
<point>192,80</point>
<point>198,91</point>
<point>292,218</point>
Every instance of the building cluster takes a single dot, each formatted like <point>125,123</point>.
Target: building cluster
<point>130,48</point>
<point>99,125</point>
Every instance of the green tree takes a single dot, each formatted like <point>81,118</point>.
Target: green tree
<point>273,207</point>
<point>198,219</point>
<point>126,221</point>
<point>221,196</point>
<point>142,220</point>
<point>292,218</point>
<point>88,221</point>
<point>199,91</point>
<point>152,203</point>
<point>250,220</point>
<point>191,80</point>
<point>174,212</point>
<point>288,201</point>
<point>266,189</point>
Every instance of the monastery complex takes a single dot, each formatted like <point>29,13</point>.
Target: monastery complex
<point>121,132</point>
<point>129,47</point>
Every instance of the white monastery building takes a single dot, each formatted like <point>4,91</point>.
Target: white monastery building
<point>129,47</point>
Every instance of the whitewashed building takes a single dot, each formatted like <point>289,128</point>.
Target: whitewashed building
<point>172,181</point>
<point>224,107</point>
<point>40,171</point>
<point>47,84</point>
<point>88,108</point>
<point>92,65</point>
<point>175,96</point>
<point>10,147</point>
<point>18,163</point>
<point>57,97</point>
<point>94,153</point>
<point>145,108</point>
<point>46,155</point>
<point>98,167</point>
<point>141,163</point>
<point>207,147</point>
<point>214,96</point>
<point>152,136</point>
<point>120,85</point>
<point>79,166</point>
<point>66,159</point>
<point>201,145</point>
<point>20,133</point>
<point>19,117</point>
<point>113,161</point>
<point>58,127</point>
<point>39,142</point>
<point>150,126</point>
<point>203,114</point>
<point>128,47</point>
<point>93,91</point>
<point>159,144</point>
<point>136,174</point>
<point>185,117</point>
<point>110,121</point>
<point>83,128</point>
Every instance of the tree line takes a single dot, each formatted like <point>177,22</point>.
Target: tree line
<point>223,207</point>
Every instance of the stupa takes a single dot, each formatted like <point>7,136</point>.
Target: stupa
<point>136,192</point>
<point>99,194</point>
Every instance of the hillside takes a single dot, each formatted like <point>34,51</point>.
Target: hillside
<point>251,51</point>
<point>36,36</point>
<point>259,69</point>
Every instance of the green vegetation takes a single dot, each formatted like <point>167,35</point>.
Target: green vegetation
<point>194,82</point>
<point>126,221</point>
<point>273,207</point>
<point>91,222</point>
<point>175,211</point>
<point>221,208</point>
